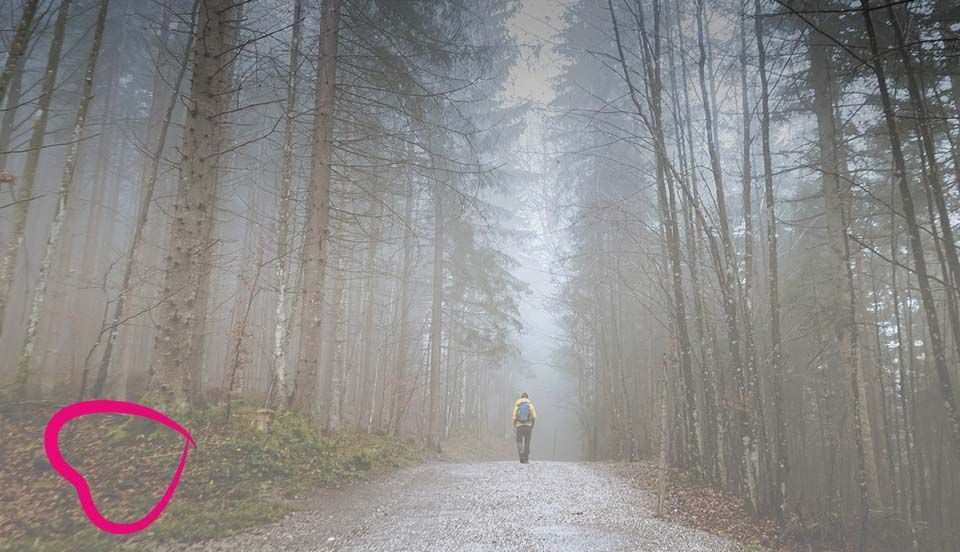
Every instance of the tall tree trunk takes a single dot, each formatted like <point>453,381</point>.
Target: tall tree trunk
<point>186,279</point>
<point>668,215</point>
<point>941,369</point>
<point>662,456</point>
<point>332,353</point>
<point>18,47</point>
<point>10,110</point>
<point>666,186</point>
<point>773,283</point>
<point>934,177</point>
<point>837,200</point>
<point>229,101</point>
<point>753,370</point>
<point>368,360</point>
<point>884,410</point>
<point>903,389</point>
<point>403,308</point>
<point>434,429</point>
<point>728,277</point>
<point>746,166</point>
<point>8,265</point>
<point>158,122</point>
<point>713,419</point>
<point>317,234</point>
<point>56,225</point>
<point>278,391</point>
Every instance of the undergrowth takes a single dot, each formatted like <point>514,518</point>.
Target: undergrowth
<point>237,477</point>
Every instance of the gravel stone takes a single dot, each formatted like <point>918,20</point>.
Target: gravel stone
<point>493,506</point>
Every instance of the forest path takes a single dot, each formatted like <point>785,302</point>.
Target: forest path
<point>488,506</point>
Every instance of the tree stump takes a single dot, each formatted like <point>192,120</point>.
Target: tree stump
<point>263,420</point>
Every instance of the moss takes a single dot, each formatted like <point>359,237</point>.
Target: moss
<point>193,522</point>
<point>90,540</point>
<point>237,477</point>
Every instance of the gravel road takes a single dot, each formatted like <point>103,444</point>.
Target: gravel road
<point>491,506</point>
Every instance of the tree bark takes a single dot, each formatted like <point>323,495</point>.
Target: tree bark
<point>773,283</point>
<point>713,419</point>
<point>186,279</point>
<point>662,457</point>
<point>728,284</point>
<point>8,265</point>
<point>56,225</point>
<point>837,200</point>
<point>10,110</point>
<point>278,392</point>
<point>400,383</point>
<point>159,119</point>
<point>934,176</point>
<point>368,360</point>
<point>18,46</point>
<point>434,427</point>
<point>668,215</point>
<point>941,369</point>
<point>316,238</point>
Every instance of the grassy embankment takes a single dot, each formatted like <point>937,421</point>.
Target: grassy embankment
<point>238,477</point>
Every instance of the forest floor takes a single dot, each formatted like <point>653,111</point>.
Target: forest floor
<point>704,507</point>
<point>290,490</point>
<point>236,478</point>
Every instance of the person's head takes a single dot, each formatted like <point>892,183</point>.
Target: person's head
<point>524,396</point>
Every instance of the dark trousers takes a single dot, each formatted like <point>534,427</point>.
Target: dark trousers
<point>523,442</point>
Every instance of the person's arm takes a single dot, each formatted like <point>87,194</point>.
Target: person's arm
<point>533,415</point>
<point>515,406</point>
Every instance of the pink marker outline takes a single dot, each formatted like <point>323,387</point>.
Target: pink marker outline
<point>52,448</point>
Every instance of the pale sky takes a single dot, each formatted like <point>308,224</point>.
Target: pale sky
<point>534,26</point>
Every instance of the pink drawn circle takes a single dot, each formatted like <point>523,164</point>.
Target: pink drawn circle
<point>52,448</point>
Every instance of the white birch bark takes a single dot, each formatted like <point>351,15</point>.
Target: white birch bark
<point>56,225</point>
<point>8,264</point>
<point>278,395</point>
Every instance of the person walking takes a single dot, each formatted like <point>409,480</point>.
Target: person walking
<point>524,417</point>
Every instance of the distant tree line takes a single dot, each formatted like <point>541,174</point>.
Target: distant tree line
<point>285,203</point>
<point>761,199</point>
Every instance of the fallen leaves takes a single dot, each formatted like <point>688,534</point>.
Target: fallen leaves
<point>235,479</point>
<point>705,508</point>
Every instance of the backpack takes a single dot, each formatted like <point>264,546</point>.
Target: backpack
<point>523,412</point>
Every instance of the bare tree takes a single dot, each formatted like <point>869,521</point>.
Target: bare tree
<point>56,225</point>
<point>8,265</point>
<point>278,392</point>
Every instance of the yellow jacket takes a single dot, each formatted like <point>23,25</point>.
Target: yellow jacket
<point>533,413</point>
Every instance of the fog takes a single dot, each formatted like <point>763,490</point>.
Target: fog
<point>716,236</point>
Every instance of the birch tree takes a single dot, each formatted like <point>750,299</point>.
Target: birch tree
<point>56,225</point>
<point>8,265</point>
<point>278,393</point>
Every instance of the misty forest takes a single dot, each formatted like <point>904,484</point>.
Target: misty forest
<point>712,239</point>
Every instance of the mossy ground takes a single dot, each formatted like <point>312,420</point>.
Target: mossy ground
<point>238,477</point>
